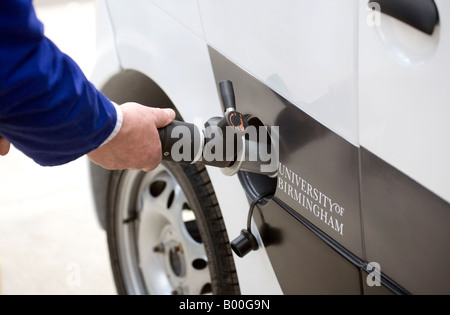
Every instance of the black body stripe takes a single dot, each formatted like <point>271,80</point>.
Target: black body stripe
<point>390,284</point>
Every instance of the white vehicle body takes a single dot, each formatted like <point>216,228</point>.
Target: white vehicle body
<point>372,80</point>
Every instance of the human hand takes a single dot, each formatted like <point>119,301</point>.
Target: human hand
<point>4,146</point>
<point>137,145</point>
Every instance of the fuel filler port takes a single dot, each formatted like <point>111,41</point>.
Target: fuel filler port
<point>257,184</point>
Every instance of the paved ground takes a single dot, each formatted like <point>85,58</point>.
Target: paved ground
<point>50,241</point>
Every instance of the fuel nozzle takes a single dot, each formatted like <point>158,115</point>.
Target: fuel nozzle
<point>221,142</point>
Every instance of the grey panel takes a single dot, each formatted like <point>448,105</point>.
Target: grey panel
<point>319,171</point>
<point>406,228</point>
<point>303,262</point>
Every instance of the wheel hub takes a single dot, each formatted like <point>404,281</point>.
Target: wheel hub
<point>173,258</point>
<point>161,254</point>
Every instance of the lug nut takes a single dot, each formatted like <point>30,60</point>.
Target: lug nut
<point>178,249</point>
<point>178,290</point>
<point>159,248</point>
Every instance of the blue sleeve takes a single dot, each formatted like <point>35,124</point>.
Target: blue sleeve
<point>48,109</point>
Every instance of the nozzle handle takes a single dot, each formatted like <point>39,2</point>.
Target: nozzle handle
<point>173,133</point>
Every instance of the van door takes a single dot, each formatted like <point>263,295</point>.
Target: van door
<point>293,65</point>
<point>404,80</point>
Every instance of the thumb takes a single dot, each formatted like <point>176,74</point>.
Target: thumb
<point>163,117</point>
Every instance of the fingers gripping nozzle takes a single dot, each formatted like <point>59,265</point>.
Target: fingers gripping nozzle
<point>220,142</point>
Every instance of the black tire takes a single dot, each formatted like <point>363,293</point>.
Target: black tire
<point>128,206</point>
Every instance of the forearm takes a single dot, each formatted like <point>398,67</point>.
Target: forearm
<point>53,114</point>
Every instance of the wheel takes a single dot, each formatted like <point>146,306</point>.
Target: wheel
<point>166,234</point>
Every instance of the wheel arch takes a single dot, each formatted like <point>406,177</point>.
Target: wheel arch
<point>125,86</point>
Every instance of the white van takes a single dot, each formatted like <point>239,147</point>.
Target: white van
<point>360,92</point>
